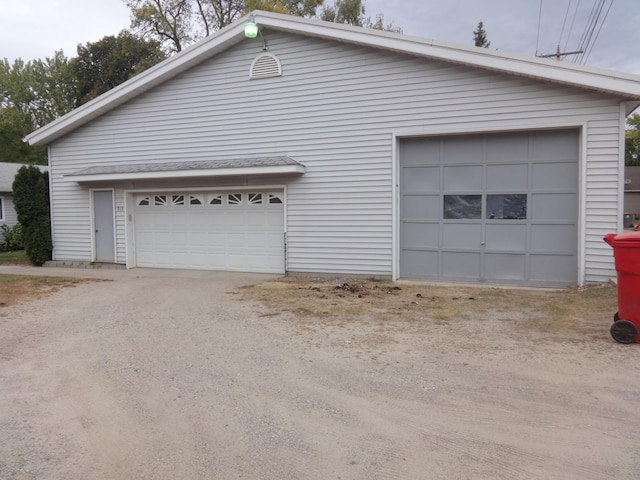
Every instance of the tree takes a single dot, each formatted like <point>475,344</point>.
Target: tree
<point>632,141</point>
<point>14,126</point>
<point>107,63</point>
<point>480,36</point>
<point>345,11</point>
<point>352,12</point>
<point>299,8</point>
<point>177,23</point>
<point>217,14</point>
<point>31,201</point>
<point>32,94</point>
<point>167,21</point>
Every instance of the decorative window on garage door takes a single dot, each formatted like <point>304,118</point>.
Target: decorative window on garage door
<point>255,199</point>
<point>215,199</point>
<point>212,199</point>
<point>275,199</point>
<point>234,199</point>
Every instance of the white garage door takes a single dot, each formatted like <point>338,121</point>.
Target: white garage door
<point>237,230</point>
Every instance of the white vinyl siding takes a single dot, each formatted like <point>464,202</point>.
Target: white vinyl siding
<point>335,110</point>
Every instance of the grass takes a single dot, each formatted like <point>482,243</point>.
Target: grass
<point>15,289</point>
<point>18,257</point>
<point>537,309</point>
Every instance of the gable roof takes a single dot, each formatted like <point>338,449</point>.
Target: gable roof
<point>626,86</point>
<point>8,173</point>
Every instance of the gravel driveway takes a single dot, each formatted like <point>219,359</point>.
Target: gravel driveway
<point>161,374</point>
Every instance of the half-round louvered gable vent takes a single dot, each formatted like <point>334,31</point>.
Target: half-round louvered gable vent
<point>264,66</point>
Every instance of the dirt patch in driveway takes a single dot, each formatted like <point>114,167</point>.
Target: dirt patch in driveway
<point>579,310</point>
<point>15,289</point>
<point>182,375</point>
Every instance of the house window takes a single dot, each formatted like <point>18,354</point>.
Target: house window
<point>160,200</point>
<point>1,209</point>
<point>255,198</point>
<point>507,207</point>
<point>458,207</point>
<point>234,199</point>
<point>215,200</point>
<point>195,199</point>
<point>274,199</point>
<point>177,200</point>
<point>144,201</point>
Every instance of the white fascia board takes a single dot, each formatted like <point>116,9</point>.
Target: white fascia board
<point>620,84</point>
<point>218,172</point>
<point>599,79</point>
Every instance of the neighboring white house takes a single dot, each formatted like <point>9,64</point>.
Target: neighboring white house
<point>631,195</point>
<point>326,148</point>
<point>7,175</point>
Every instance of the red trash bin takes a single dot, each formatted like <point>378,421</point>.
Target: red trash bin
<point>626,250</point>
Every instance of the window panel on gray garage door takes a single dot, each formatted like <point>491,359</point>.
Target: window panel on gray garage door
<point>499,208</point>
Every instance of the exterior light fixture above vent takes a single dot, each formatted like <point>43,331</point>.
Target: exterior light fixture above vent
<point>265,65</point>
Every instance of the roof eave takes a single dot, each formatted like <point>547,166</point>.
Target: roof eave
<point>606,81</point>
<point>194,173</point>
<point>625,86</point>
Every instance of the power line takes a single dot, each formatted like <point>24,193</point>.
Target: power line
<point>590,33</point>
<point>564,22</point>
<point>589,28</point>
<point>598,33</point>
<point>573,21</point>
<point>558,55</point>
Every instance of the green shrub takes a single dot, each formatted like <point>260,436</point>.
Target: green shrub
<point>37,241</point>
<point>31,201</point>
<point>12,237</point>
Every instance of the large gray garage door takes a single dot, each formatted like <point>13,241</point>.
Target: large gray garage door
<point>499,208</point>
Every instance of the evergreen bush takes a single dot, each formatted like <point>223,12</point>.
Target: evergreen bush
<point>31,201</point>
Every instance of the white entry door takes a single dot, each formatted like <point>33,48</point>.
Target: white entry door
<point>103,226</point>
<point>236,231</point>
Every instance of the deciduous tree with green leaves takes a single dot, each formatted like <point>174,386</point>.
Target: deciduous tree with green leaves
<point>178,23</point>
<point>352,12</point>
<point>107,63</point>
<point>32,94</point>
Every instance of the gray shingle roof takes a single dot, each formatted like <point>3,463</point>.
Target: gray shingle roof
<point>182,166</point>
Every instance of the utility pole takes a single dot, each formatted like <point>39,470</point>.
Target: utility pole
<point>560,54</point>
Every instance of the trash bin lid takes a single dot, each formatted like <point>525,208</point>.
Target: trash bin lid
<point>623,239</point>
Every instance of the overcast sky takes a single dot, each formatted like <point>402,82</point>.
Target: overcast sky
<point>36,28</point>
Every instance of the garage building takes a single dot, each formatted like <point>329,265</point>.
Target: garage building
<point>331,149</point>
